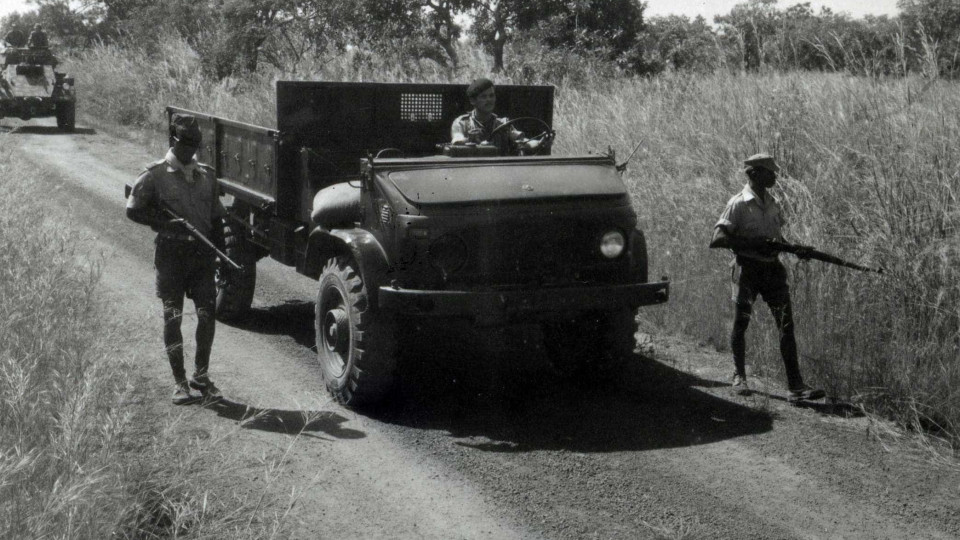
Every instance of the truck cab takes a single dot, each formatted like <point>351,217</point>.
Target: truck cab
<point>358,189</point>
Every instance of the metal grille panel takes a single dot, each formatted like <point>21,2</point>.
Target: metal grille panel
<point>421,107</point>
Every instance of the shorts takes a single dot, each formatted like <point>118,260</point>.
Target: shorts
<point>768,279</point>
<point>185,268</point>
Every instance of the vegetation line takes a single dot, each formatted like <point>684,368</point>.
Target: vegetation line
<point>81,456</point>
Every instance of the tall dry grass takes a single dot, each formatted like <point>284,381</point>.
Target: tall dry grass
<point>75,460</point>
<point>871,169</point>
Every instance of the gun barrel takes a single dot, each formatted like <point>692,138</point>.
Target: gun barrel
<point>822,256</point>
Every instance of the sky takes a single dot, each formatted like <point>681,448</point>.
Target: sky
<point>691,8</point>
<point>710,8</point>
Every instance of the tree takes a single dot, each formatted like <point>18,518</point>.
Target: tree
<point>934,27</point>
<point>747,29</point>
<point>676,42</point>
<point>610,25</point>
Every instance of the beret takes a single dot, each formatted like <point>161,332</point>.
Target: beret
<point>478,87</point>
<point>186,129</point>
<point>764,161</point>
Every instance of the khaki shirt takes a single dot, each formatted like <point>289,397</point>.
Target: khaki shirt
<point>189,190</point>
<point>747,216</point>
<point>505,139</point>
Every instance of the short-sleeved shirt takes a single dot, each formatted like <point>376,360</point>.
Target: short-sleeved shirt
<point>505,139</point>
<point>189,190</point>
<point>747,216</point>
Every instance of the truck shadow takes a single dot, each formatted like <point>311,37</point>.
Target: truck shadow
<point>293,318</point>
<point>303,423</point>
<point>46,130</point>
<point>512,401</point>
<point>518,404</point>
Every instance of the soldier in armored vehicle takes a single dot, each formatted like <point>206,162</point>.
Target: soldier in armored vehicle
<point>482,126</point>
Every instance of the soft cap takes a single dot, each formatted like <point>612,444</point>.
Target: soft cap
<point>764,161</point>
<point>186,130</point>
<point>478,87</point>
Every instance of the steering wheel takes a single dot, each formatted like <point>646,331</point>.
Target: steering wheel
<point>544,125</point>
<point>388,150</point>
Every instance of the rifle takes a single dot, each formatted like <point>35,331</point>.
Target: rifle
<point>199,236</point>
<point>818,255</point>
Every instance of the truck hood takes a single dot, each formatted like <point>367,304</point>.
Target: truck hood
<point>517,180</point>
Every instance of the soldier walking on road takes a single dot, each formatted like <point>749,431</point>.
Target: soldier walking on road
<point>751,218</point>
<point>184,265</point>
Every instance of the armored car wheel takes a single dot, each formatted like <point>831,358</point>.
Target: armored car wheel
<point>66,116</point>
<point>235,287</point>
<point>590,343</point>
<point>355,345</point>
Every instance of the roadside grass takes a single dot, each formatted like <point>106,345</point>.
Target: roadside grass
<point>79,458</point>
<point>871,172</point>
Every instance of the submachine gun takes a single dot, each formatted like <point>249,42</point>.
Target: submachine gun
<point>810,253</point>
<point>192,230</point>
<point>199,236</point>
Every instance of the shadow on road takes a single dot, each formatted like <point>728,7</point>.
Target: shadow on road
<point>516,403</point>
<point>47,130</point>
<point>511,400</point>
<point>293,318</point>
<point>308,423</point>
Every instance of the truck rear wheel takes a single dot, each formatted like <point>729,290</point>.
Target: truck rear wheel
<point>590,343</point>
<point>66,116</point>
<point>235,287</point>
<point>355,345</point>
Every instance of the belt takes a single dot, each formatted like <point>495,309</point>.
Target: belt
<point>178,237</point>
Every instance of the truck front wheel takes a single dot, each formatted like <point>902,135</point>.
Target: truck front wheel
<point>590,343</point>
<point>235,287</point>
<point>66,115</point>
<point>355,345</point>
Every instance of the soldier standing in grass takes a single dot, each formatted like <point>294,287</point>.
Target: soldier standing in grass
<point>751,218</point>
<point>185,267</point>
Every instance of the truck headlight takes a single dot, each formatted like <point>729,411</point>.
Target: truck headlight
<point>66,86</point>
<point>611,245</point>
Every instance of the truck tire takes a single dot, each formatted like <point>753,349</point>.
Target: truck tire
<point>591,343</point>
<point>66,116</point>
<point>355,345</point>
<point>235,287</point>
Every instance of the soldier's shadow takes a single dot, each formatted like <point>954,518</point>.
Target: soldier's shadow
<point>286,422</point>
<point>46,130</point>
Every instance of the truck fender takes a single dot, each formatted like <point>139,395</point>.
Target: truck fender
<point>360,244</point>
<point>638,256</point>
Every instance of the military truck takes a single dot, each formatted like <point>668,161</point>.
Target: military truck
<point>356,189</point>
<point>30,87</point>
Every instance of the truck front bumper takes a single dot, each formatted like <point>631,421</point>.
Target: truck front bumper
<point>494,307</point>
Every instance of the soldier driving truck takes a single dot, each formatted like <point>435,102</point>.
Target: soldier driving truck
<point>482,126</point>
<point>356,189</point>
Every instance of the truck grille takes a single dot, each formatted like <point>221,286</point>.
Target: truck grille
<point>551,252</point>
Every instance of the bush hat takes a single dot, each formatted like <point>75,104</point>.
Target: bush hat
<point>478,87</point>
<point>187,130</point>
<point>763,161</point>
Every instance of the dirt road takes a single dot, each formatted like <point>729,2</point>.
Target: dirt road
<point>472,448</point>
